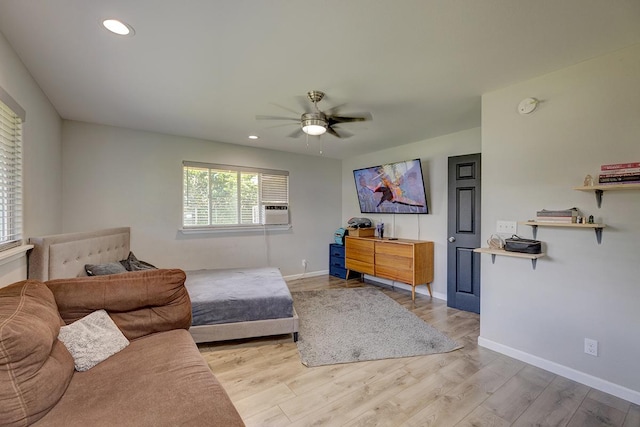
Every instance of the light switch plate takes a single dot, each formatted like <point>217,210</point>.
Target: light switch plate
<point>507,227</point>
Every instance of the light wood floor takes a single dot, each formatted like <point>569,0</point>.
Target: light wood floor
<point>473,386</point>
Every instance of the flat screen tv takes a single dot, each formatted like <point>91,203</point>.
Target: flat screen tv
<point>392,188</point>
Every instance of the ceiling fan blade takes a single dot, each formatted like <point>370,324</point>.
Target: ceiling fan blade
<point>296,134</point>
<point>333,110</point>
<point>285,108</point>
<point>357,117</point>
<point>333,132</point>
<point>295,119</point>
<point>342,135</point>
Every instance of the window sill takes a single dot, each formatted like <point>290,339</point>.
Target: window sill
<point>248,229</point>
<point>13,254</point>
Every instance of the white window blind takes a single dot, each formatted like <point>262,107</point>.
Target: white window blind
<point>222,195</point>
<point>11,118</point>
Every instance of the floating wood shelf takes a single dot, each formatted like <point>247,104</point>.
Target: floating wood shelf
<point>535,224</point>
<point>600,189</point>
<point>502,252</point>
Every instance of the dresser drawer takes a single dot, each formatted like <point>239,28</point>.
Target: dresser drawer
<point>336,261</point>
<point>341,272</point>
<point>338,272</point>
<point>360,250</point>
<point>397,249</point>
<point>359,266</point>
<point>400,275</point>
<point>392,261</point>
<point>336,250</point>
<point>405,276</point>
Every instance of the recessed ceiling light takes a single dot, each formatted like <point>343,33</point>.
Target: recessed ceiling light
<point>253,137</point>
<point>118,27</point>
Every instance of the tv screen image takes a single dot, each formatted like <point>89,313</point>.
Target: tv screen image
<point>391,188</point>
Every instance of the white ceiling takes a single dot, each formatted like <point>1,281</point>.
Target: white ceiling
<point>206,68</point>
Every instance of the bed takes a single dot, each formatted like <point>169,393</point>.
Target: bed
<point>247,303</point>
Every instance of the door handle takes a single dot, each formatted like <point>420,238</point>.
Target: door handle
<point>452,239</point>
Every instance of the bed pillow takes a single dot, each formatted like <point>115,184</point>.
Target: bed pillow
<point>134,264</point>
<point>104,269</point>
<point>92,339</point>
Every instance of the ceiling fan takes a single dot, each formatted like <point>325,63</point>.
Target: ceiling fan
<point>316,122</point>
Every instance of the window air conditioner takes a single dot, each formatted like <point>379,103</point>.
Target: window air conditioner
<point>275,214</point>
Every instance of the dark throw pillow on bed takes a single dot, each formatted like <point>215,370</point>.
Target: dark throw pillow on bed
<point>104,269</point>
<point>134,264</point>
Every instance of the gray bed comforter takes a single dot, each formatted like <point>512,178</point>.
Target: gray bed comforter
<point>238,295</point>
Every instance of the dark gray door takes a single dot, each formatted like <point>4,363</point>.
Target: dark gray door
<point>463,265</point>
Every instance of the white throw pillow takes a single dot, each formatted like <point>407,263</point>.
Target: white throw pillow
<point>92,339</point>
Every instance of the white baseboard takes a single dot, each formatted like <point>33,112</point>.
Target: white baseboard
<point>421,289</point>
<point>438,295</point>
<point>307,274</point>
<point>572,374</point>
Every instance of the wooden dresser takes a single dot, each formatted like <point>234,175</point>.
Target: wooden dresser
<point>402,260</point>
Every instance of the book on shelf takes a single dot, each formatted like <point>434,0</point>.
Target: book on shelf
<point>616,166</point>
<point>619,182</point>
<point>632,178</point>
<point>557,219</point>
<point>571,212</point>
<point>617,172</point>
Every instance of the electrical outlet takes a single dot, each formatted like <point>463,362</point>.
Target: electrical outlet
<point>507,227</point>
<point>591,347</point>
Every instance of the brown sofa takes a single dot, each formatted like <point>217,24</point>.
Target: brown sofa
<point>159,379</point>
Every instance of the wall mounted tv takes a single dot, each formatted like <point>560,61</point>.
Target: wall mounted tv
<point>392,188</point>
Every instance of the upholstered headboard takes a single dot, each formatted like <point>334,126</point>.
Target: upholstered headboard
<point>65,255</point>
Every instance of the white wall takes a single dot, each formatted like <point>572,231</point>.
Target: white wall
<point>42,154</point>
<point>590,115</point>
<point>434,154</point>
<point>120,177</point>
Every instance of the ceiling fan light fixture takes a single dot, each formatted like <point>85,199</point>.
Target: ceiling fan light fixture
<point>314,129</point>
<point>314,124</point>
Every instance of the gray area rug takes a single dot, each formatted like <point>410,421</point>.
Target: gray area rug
<point>353,325</point>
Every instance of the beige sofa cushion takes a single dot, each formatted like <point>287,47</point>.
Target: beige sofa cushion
<point>140,303</point>
<point>35,368</point>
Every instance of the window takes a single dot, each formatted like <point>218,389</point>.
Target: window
<point>229,196</point>
<point>11,118</point>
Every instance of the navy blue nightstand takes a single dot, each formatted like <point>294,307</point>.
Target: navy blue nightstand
<point>336,262</point>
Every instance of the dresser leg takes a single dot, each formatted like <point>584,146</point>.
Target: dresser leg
<point>413,291</point>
